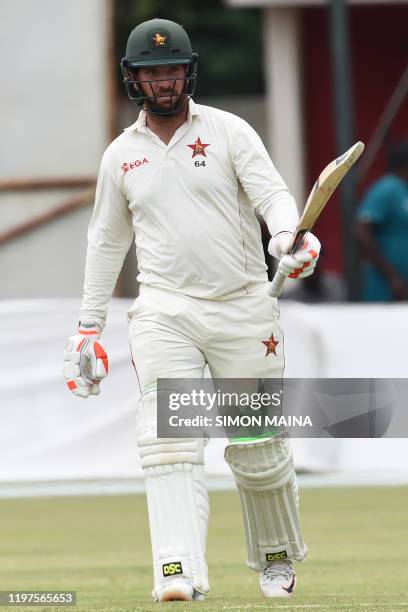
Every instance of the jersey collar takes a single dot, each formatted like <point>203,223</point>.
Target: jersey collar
<point>140,124</point>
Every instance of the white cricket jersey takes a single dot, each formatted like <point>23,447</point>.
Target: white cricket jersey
<point>191,206</point>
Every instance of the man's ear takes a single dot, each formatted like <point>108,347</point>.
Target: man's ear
<point>134,76</point>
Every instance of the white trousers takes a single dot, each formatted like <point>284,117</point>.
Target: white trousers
<point>175,336</point>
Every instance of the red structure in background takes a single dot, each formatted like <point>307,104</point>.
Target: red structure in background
<point>379,52</point>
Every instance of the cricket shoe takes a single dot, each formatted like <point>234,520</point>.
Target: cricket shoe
<point>278,579</point>
<point>178,589</point>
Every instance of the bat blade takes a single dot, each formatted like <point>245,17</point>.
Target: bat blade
<point>326,184</point>
<point>323,188</point>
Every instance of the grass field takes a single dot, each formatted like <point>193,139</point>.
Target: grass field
<point>99,546</point>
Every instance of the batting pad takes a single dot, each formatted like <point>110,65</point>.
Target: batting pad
<point>266,480</point>
<point>178,508</point>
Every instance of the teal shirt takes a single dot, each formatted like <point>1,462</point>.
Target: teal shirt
<point>385,205</point>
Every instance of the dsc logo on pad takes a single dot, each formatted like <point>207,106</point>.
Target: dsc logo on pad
<point>170,569</point>
<point>276,556</point>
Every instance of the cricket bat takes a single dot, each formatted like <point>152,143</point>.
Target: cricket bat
<point>325,185</point>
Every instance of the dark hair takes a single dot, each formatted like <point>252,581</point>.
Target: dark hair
<point>398,156</point>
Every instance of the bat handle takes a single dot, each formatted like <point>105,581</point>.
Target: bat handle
<point>275,288</point>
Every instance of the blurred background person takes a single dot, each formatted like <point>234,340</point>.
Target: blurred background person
<point>382,232</point>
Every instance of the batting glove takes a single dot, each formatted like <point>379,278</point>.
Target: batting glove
<point>85,361</point>
<point>300,264</point>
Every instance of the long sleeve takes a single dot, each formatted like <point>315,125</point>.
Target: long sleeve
<point>261,181</point>
<point>110,234</point>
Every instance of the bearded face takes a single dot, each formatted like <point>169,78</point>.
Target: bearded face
<point>162,87</point>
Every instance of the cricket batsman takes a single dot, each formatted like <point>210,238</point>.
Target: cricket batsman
<point>186,181</point>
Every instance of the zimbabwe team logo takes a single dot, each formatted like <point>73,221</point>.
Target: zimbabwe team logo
<point>159,39</point>
<point>198,148</point>
<point>271,345</point>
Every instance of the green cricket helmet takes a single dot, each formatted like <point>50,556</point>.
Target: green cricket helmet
<point>158,42</point>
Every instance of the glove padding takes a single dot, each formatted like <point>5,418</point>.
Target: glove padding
<point>85,361</point>
<point>302,263</point>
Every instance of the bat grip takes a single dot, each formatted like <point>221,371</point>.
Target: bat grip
<point>275,288</point>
